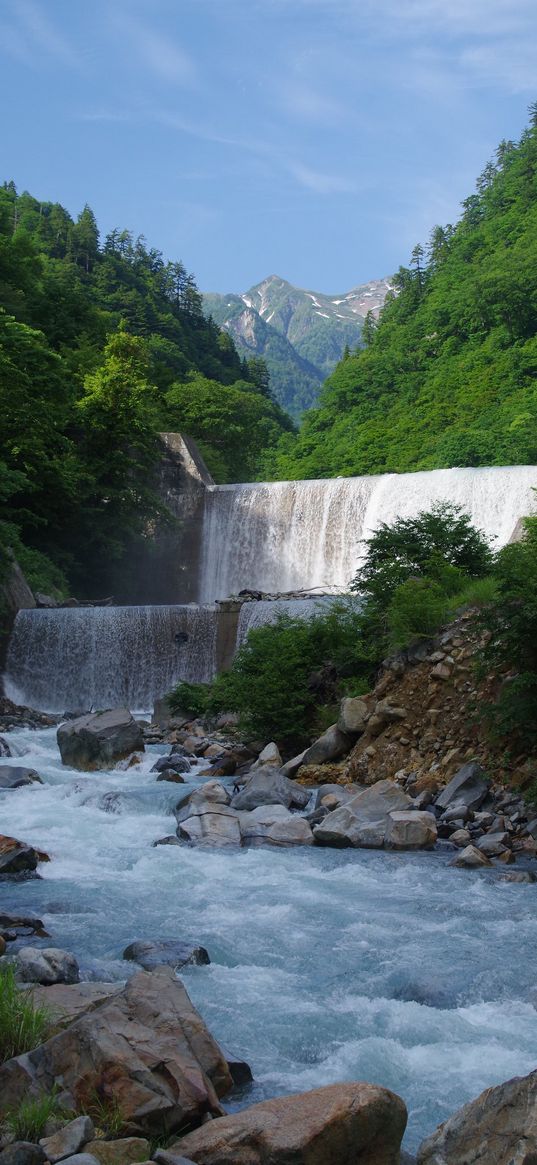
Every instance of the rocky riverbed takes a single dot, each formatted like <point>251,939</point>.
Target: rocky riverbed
<point>326,964</point>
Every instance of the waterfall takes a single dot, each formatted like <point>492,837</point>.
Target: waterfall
<point>103,657</point>
<point>292,535</point>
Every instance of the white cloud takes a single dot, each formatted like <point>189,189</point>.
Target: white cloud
<point>31,37</point>
<point>160,53</point>
<point>318,182</point>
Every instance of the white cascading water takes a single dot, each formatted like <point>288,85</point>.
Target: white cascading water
<point>102,657</point>
<point>309,534</point>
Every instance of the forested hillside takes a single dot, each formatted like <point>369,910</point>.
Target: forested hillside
<point>102,346</point>
<point>447,377</point>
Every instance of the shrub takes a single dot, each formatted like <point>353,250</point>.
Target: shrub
<point>28,1122</point>
<point>439,543</point>
<point>23,1024</point>
<point>418,607</point>
<point>192,699</point>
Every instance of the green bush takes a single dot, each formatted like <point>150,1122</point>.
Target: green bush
<point>417,609</point>
<point>28,1122</point>
<point>440,544</point>
<point>287,671</point>
<point>511,649</point>
<point>192,699</point>
<point>23,1024</point>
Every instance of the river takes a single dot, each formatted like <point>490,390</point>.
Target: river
<point>327,965</point>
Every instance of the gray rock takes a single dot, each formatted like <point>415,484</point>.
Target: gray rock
<point>170,775</point>
<point>353,715</point>
<point>69,1139</point>
<point>240,1071</point>
<point>493,844</point>
<point>470,858</point>
<point>461,838</point>
<point>4,747</point>
<point>270,755</point>
<point>46,966</point>
<point>268,786</point>
<point>165,952</point>
<point>498,1128</point>
<point>211,825</point>
<point>519,876</point>
<point>97,741</point>
<point>468,787</point>
<point>16,776</point>
<point>174,761</point>
<point>82,1159</point>
<point>43,600</point>
<point>167,1157</point>
<point>291,767</point>
<point>332,745</point>
<point>410,830</point>
<point>22,1153</point>
<point>364,819</point>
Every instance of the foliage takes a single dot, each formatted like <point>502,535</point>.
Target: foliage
<point>418,607</point>
<point>192,699</point>
<point>103,345</point>
<point>105,1112</point>
<point>287,670</point>
<point>439,544</point>
<point>448,376</point>
<point>28,1122</point>
<point>511,647</point>
<point>23,1024</point>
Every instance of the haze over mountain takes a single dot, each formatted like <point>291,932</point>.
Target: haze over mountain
<point>300,334</point>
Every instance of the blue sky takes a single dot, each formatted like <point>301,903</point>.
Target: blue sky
<point>316,139</point>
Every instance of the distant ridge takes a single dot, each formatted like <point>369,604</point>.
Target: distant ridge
<point>301,334</point>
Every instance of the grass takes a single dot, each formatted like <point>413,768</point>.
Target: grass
<point>23,1023</point>
<point>106,1114</point>
<point>28,1122</point>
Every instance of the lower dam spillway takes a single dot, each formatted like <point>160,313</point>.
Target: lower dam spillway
<point>271,537</point>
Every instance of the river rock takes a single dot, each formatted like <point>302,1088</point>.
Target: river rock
<point>147,1048</point>
<point>46,965</point>
<point>68,1001</point>
<point>493,844</point>
<point>4,747</point>
<point>21,925</point>
<point>211,825</point>
<point>98,740</point>
<point>81,1159</point>
<point>297,831</point>
<point>16,776</point>
<point>291,767</point>
<point>270,755</point>
<point>364,820</point>
<point>330,746</point>
<point>470,859</point>
<point>269,786</point>
<point>124,1151</point>
<point>22,1153</point>
<point>16,857</point>
<point>165,952</point>
<point>69,1139</point>
<point>410,830</point>
<point>343,1123</point>
<point>468,787</point>
<point>353,715</point>
<point>175,762</point>
<point>461,838</point>
<point>498,1128</point>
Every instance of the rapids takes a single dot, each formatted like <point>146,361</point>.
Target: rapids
<point>326,965</point>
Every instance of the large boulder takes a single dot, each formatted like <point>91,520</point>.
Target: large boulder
<point>98,740</point>
<point>343,1123</point>
<point>146,1051</point>
<point>498,1128</point>
<point>167,952</point>
<point>330,746</point>
<point>16,776</point>
<point>364,820</point>
<point>46,965</point>
<point>270,755</point>
<point>353,715</point>
<point>66,1002</point>
<point>68,1140</point>
<point>269,786</point>
<point>211,825</point>
<point>468,787</point>
<point>410,830</point>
